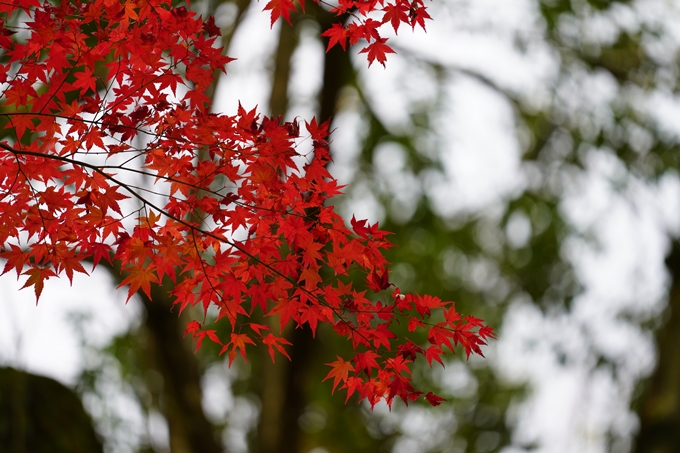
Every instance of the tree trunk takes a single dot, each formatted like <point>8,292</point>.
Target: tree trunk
<point>172,356</point>
<point>659,407</point>
<point>190,430</point>
<point>39,414</point>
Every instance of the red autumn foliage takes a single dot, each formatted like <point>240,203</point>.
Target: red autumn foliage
<point>99,94</point>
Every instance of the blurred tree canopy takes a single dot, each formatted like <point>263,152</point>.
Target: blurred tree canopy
<point>580,90</point>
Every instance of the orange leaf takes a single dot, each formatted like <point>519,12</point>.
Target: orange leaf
<point>36,278</point>
<point>276,342</point>
<point>238,341</point>
<point>70,264</point>
<point>339,372</point>
<point>139,277</point>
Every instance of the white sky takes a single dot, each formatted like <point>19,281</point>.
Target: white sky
<point>42,338</point>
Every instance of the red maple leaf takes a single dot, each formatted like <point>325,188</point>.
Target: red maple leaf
<point>36,278</point>
<point>280,8</point>
<point>395,14</point>
<point>192,327</point>
<point>418,15</point>
<point>20,123</point>
<point>139,277</point>
<point>366,362</point>
<point>210,27</point>
<point>201,334</point>
<point>85,81</point>
<point>434,399</point>
<point>377,51</point>
<point>379,280</point>
<point>19,92</point>
<point>276,342</point>
<point>340,371</point>
<point>337,34</point>
<point>401,387</point>
<point>237,344</point>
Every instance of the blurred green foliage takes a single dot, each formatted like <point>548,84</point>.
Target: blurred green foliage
<point>467,257</point>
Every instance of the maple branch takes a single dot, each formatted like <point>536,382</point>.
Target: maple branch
<point>11,187</point>
<point>291,241</point>
<point>70,71</point>
<point>33,191</point>
<point>122,166</point>
<point>95,121</point>
<point>189,225</point>
<point>122,126</point>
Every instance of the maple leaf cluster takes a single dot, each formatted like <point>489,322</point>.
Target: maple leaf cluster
<point>101,96</point>
<point>361,21</point>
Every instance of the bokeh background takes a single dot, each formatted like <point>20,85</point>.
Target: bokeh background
<point>525,155</point>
